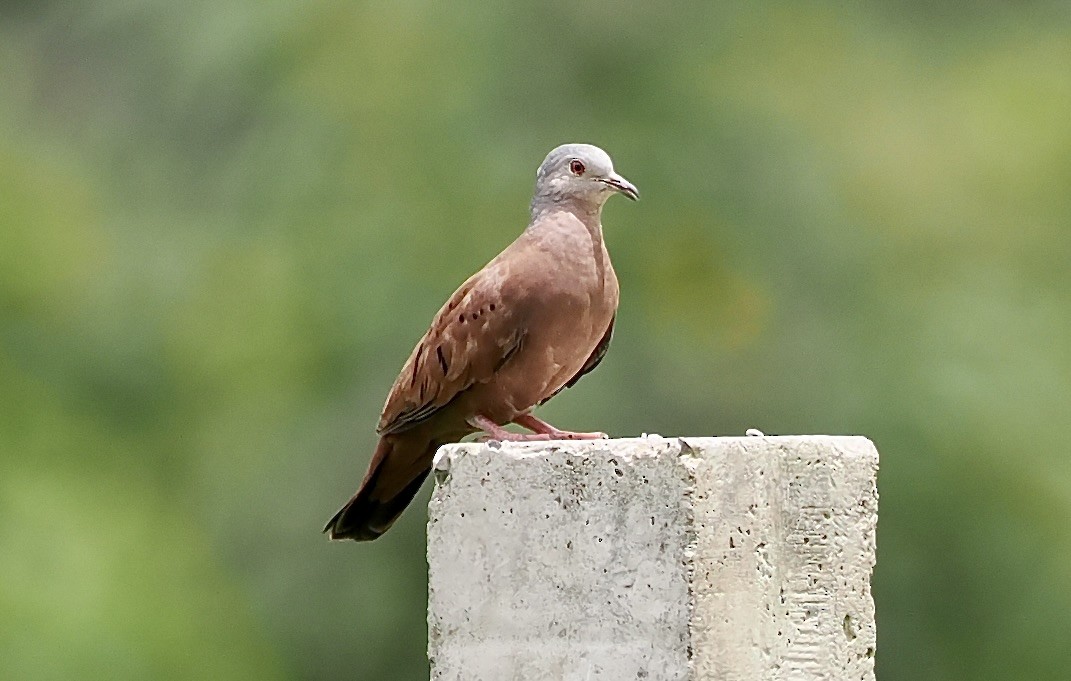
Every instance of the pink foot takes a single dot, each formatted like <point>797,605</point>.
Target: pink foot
<point>496,432</point>
<point>543,428</point>
<point>509,436</point>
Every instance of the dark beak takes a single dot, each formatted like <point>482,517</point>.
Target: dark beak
<point>622,185</point>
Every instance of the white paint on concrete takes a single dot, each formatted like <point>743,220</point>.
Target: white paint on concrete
<point>652,558</point>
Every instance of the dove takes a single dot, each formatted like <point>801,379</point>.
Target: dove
<point>531,323</point>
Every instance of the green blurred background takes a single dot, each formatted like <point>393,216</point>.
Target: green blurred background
<point>224,224</point>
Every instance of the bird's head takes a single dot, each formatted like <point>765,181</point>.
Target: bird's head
<point>579,174</point>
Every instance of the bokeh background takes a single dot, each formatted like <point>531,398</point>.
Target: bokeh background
<point>223,225</point>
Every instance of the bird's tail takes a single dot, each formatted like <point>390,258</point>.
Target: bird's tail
<point>397,470</point>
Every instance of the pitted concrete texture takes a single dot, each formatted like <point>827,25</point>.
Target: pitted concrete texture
<point>651,558</point>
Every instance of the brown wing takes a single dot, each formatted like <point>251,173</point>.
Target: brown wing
<point>592,361</point>
<point>473,335</point>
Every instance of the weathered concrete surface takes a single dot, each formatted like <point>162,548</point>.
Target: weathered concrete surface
<point>701,559</point>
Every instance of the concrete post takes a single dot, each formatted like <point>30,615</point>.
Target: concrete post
<point>735,559</point>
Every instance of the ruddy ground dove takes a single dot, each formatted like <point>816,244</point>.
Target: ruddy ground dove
<point>529,324</point>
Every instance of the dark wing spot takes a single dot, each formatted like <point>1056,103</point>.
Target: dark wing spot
<point>416,365</point>
<point>492,307</point>
<point>461,319</point>
<point>442,360</point>
<point>475,316</point>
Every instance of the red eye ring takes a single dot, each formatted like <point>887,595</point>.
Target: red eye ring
<point>576,167</point>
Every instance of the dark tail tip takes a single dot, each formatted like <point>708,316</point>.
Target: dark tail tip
<point>345,524</point>
<point>365,517</point>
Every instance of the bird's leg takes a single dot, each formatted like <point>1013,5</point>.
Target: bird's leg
<point>541,427</point>
<point>497,432</point>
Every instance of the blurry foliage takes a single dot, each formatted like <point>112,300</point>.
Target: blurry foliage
<point>223,225</point>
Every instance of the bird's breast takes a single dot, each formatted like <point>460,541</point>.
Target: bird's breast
<point>565,316</point>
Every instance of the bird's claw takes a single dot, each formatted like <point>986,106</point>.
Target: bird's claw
<point>540,437</point>
<point>508,436</point>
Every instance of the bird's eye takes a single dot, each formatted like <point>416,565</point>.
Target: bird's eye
<point>576,167</point>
